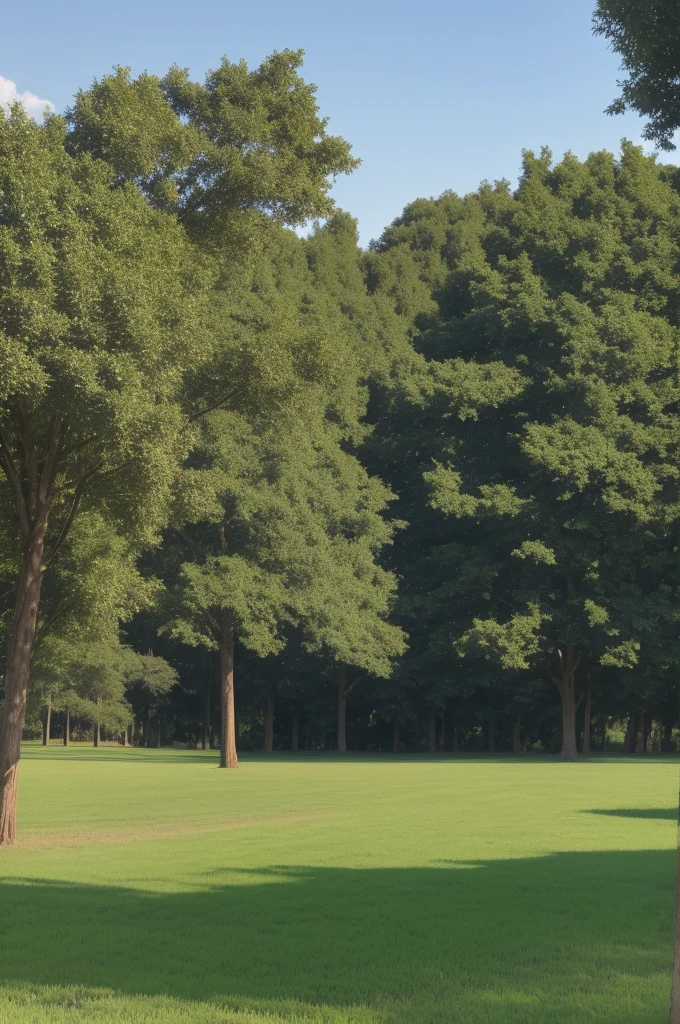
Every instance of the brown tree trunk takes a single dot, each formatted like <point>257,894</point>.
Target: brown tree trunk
<point>47,724</point>
<point>228,754</point>
<point>205,743</point>
<point>67,728</point>
<point>13,710</point>
<point>342,710</point>
<point>269,720</point>
<point>432,731</point>
<point>566,684</point>
<point>517,736</point>
<point>158,737</point>
<point>97,734</point>
<point>639,733</point>
<point>295,734</point>
<point>492,736</point>
<point>126,737</point>
<point>396,735</point>
<point>587,720</point>
<point>646,732</point>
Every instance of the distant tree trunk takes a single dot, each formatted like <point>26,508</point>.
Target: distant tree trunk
<point>295,732</point>
<point>432,731</point>
<point>205,743</point>
<point>566,685</point>
<point>639,733</point>
<point>269,720</point>
<point>97,734</point>
<point>145,729</point>
<point>442,732</point>
<point>667,738</point>
<point>126,737</point>
<point>647,724</point>
<point>587,719</point>
<point>492,736</point>
<point>517,736</point>
<point>342,710</point>
<point>228,754</point>
<point>396,735</point>
<point>454,739</point>
<point>17,666</point>
<point>47,724</point>
<point>158,737</point>
<point>67,728</point>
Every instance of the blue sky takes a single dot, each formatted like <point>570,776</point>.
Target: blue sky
<point>432,95</point>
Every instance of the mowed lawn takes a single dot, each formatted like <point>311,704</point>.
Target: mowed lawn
<point>150,886</point>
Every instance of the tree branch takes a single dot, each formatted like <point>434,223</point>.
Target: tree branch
<point>15,481</point>
<point>77,496</point>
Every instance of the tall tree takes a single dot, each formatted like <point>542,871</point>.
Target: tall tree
<point>646,35</point>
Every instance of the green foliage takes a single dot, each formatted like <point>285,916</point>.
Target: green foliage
<point>646,35</point>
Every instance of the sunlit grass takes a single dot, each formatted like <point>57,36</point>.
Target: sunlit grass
<point>149,886</point>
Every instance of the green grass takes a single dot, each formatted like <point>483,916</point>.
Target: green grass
<point>150,886</point>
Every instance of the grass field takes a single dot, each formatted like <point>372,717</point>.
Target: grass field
<point>150,886</point>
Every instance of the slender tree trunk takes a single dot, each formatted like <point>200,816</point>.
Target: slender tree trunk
<point>97,734</point>
<point>647,724</point>
<point>639,733</point>
<point>158,738</point>
<point>492,736</point>
<point>205,743</point>
<point>517,736</point>
<point>228,755</point>
<point>454,740</point>
<point>295,734</point>
<point>396,735</point>
<point>126,736</point>
<point>47,722</point>
<point>13,711</point>
<point>67,728</point>
<point>431,731</point>
<point>667,738</point>
<point>342,710</point>
<point>587,719</point>
<point>566,685</point>
<point>442,733</point>
<point>269,720</point>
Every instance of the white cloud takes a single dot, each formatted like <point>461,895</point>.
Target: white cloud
<point>34,105</point>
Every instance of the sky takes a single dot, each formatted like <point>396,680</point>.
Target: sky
<point>432,95</point>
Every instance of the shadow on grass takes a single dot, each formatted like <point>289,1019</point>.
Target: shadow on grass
<point>547,939</point>
<point>665,813</point>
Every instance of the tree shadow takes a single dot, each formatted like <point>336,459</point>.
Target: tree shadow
<point>664,813</point>
<point>552,938</point>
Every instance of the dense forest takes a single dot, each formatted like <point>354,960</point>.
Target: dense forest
<point>265,491</point>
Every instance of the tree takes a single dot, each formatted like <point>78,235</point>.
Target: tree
<point>93,345</point>
<point>646,35</point>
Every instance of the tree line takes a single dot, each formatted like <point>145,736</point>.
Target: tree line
<point>420,495</point>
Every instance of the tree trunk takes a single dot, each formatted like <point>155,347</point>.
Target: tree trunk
<point>492,736</point>
<point>13,710</point>
<point>158,738</point>
<point>205,743</point>
<point>517,736</point>
<point>396,735</point>
<point>126,737</point>
<point>667,738</point>
<point>342,710</point>
<point>269,720</point>
<point>295,734</point>
<point>639,733</point>
<point>228,755</point>
<point>647,724</point>
<point>97,734</point>
<point>67,728</point>
<point>432,731</point>
<point>454,740</point>
<point>587,720</point>
<point>47,723</point>
<point>566,686</point>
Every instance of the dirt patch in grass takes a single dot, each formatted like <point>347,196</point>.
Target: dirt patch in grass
<point>137,833</point>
